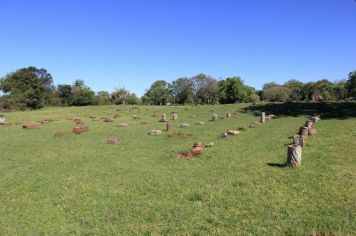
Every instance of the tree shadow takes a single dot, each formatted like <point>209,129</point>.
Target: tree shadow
<point>327,110</point>
<point>279,165</point>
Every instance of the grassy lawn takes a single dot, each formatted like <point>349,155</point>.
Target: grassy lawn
<point>78,184</point>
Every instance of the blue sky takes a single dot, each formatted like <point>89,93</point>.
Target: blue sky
<point>132,43</point>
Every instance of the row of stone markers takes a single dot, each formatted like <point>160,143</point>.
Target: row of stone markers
<point>294,151</point>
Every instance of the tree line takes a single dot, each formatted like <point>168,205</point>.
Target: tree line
<point>33,88</point>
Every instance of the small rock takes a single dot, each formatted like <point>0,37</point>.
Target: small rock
<point>200,123</point>
<point>233,132</point>
<point>30,126</point>
<point>108,120</point>
<point>155,132</point>
<point>224,135</point>
<point>114,141</point>
<point>185,125</point>
<point>209,145</point>
<point>123,125</point>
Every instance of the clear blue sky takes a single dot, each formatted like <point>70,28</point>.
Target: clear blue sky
<point>132,43</point>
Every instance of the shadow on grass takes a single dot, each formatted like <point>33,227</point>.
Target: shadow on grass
<point>279,165</point>
<point>327,110</point>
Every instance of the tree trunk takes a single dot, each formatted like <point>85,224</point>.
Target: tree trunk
<point>294,157</point>
<point>263,117</point>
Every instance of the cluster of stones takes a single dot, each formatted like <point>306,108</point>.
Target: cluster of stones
<point>194,152</point>
<point>294,151</point>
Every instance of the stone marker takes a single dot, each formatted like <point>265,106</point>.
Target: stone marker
<point>123,125</point>
<point>200,123</point>
<point>214,117</point>
<point>175,116</point>
<point>304,131</point>
<point>2,120</point>
<point>163,118</point>
<point>263,117</point>
<point>169,128</point>
<point>294,155</point>
<point>309,124</point>
<point>224,135</point>
<point>185,125</point>
<point>155,132</point>
<point>114,141</point>
<point>232,132</point>
<point>135,117</point>
<point>228,115</point>
<point>197,149</point>
<point>315,119</point>
<point>77,130</point>
<point>30,126</point>
<point>298,140</point>
<point>108,120</point>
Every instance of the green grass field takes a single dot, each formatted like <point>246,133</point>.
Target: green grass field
<point>79,185</point>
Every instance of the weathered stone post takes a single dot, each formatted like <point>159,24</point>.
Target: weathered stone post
<point>294,156</point>
<point>309,124</point>
<point>169,128</point>
<point>263,117</point>
<point>214,117</point>
<point>2,120</point>
<point>304,131</point>
<point>298,140</point>
<point>163,118</point>
<point>175,116</point>
<point>228,115</point>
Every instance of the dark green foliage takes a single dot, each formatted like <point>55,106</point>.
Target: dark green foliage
<point>234,90</point>
<point>183,91</point>
<point>82,95</point>
<point>351,84</point>
<point>102,98</point>
<point>27,88</point>
<point>64,93</point>
<point>158,93</point>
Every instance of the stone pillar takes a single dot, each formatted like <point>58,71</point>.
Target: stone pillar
<point>163,118</point>
<point>294,156</point>
<point>214,117</point>
<point>263,117</point>
<point>298,140</point>
<point>175,116</point>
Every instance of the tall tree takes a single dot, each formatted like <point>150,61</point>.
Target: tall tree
<point>28,87</point>
<point>206,89</point>
<point>351,84</point>
<point>120,96</point>
<point>82,94</point>
<point>64,93</point>
<point>158,93</point>
<point>234,90</point>
<point>296,88</point>
<point>183,91</point>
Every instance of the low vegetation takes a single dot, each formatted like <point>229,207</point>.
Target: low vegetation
<point>78,184</point>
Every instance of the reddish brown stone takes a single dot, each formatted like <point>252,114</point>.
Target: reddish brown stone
<point>77,130</point>
<point>30,126</point>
